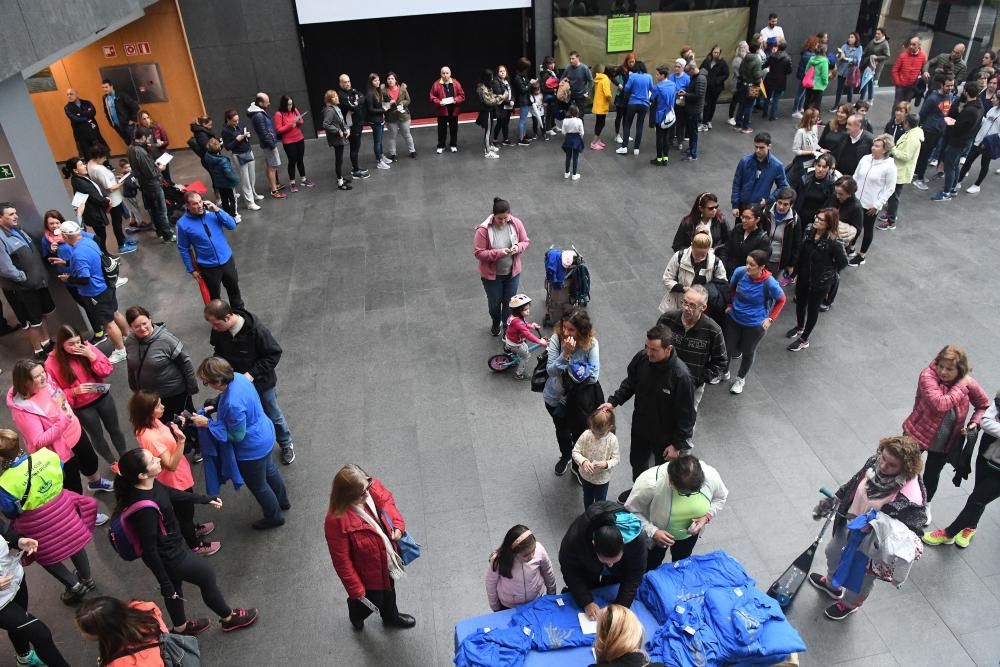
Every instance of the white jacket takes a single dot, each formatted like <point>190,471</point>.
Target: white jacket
<point>651,497</point>
<point>990,125</point>
<point>876,181</point>
<point>680,271</point>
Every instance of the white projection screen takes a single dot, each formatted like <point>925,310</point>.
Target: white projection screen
<point>329,11</point>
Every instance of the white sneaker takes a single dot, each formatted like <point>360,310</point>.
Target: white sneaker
<point>932,163</point>
<point>494,149</point>
<point>101,519</point>
<point>491,155</point>
<point>920,185</point>
<point>257,196</point>
<point>117,356</point>
<point>635,152</point>
<point>253,207</point>
<point>121,282</point>
<point>238,219</point>
<point>566,175</point>
<point>453,149</point>
<point>961,160</point>
<point>732,121</point>
<point>927,508</point>
<point>622,150</point>
<point>797,114</point>
<point>618,139</point>
<point>737,386</point>
<point>972,189</point>
<point>576,177</point>
<point>439,151</point>
<point>709,125</point>
<point>384,159</point>
<point>382,165</point>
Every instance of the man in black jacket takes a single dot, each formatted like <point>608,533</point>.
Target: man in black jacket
<point>352,107</point>
<point>83,119</point>
<point>121,111</point>
<point>605,545</point>
<point>698,340</point>
<point>958,138</point>
<point>248,346</point>
<point>149,176</point>
<point>664,411</point>
<point>855,146</point>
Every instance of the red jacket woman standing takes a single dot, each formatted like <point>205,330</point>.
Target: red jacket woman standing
<point>945,391</point>
<point>362,527</point>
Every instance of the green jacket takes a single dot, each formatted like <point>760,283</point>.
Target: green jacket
<point>821,77</point>
<point>905,155</point>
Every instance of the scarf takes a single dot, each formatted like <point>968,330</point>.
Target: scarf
<point>396,568</point>
<point>880,485</point>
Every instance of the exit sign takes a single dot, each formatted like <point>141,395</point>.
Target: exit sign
<point>6,172</point>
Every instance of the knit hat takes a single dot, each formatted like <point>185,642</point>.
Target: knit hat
<point>69,227</point>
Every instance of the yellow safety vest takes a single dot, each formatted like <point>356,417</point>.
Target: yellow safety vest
<point>46,479</point>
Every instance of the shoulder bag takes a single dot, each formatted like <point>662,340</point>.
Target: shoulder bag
<point>409,550</point>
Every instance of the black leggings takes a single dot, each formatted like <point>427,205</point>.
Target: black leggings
<point>26,631</point>
<point>228,200</point>
<point>357,611</point>
<point>117,215</point>
<point>67,578</point>
<point>662,142</point>
<point>619,118</point>
<point>338,161</point>
<point>742,342</point>
<point>711,100</point>
<point>572,161</point>
<point>502,125</point>
<point>184,510</point>
<point>734,102</point>
<point>194,570</point>
<point>449,125</point>
<point>986,490</point>
<point>355,143</point>
<point>807,302</point>
<point>868,228</point>
<point>295,152</point>
<point>932,471</point>
<point>83,462</point>
<point>984,164</point>
<point>599,125</point>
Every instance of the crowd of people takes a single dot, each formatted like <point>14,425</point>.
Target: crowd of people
<point>799,226</point>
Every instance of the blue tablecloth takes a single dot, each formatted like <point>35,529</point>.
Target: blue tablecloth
<point>572,657</point>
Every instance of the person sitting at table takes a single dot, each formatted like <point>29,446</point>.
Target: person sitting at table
<point>674,502</point>
<point>604,545</point>
<point>619,639</point>
<point>520,571</point>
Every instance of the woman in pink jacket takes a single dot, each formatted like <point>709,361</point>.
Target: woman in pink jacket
<point>520,571</point>
<point>945,391</point>
<point>287,123</point>
<point>80,370</point>
<point>33,498</point>
<point>44,418</point>
<point>500,239</point>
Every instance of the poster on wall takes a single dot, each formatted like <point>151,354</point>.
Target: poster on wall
<point>41,81</point>
<point>621,34</point>
<point>645,23</point>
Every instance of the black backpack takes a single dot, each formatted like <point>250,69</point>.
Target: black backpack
<point>111,267</point>
<point>718,290</point>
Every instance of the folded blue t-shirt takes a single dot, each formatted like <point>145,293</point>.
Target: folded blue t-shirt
<point>505,647</point>
<point>554,626</point>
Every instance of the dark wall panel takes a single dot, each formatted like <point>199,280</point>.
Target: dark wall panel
<point>415,48</point>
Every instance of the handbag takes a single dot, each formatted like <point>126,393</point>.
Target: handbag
<point>809,80</point>
<point>753,90</point>
<point>668,120</point>
<point>854,77</point>
<point>991,146</point>
<point>409,550</point>
<point>245,158</point>
<point>540,375</point>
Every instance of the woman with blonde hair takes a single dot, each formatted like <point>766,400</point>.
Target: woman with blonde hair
<point>695,265</point>
<point>363,526</point>
<point>888,482</point>
<point>337,133</point>
<point>742,49</point>
<point>945,392</point>
<point>619,639</point>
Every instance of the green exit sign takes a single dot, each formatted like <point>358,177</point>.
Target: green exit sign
<point>6,172</point>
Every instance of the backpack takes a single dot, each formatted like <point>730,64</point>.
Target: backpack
<point>579,292</point>
<point>195,147</point>
<point>175,650</point>
<point>540,375</point>
<point>563,92</point>
<point>111,267</point>
<point>123,539</point>
<point>718,290</point>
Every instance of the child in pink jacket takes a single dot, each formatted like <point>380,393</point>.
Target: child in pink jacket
<point>519,332</point>
<point>519,571</point>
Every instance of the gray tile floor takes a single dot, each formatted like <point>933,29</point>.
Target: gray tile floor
<point>375,297</point>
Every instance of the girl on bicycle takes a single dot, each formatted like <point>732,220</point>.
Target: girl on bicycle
<point>519,332</point>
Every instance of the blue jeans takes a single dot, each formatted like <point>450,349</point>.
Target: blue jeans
<point>498,294</point>
<point>377,130</point>
<point>156,204</point>
<point>269,401</point>
<point>743,114</point>
<point>638,112</point>
<point>593,492</point>
<point>773,101</point>
<point>266,485</point>
<point>868,91</point>
<point>522,121</point>
<point>693,121</point>
<point>950,157</point>
<point>800,98</point>
<point>842,88</point>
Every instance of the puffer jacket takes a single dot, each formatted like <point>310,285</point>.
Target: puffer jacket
<point>818,262</point>
<point>680,272</point>
<point>50,428</point>
<point>201,135</point>
<point>358,552</point>
<point>158,363</point>
<point>935,399</point>
<point>905,154</point>
<point>62,526</point>
<point>220,168</point>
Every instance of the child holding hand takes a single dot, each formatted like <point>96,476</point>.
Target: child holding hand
<point>595,454</point>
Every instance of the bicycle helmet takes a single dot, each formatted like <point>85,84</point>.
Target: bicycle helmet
<point>519,300</point>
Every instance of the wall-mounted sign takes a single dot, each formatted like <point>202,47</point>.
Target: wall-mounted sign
<point>143,48</point>
<point>109,51</point>
<point>130,49</point>
<point>6,172</point>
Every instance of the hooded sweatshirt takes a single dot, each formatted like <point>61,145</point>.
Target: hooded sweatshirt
<point>750,297</point>
<point>263,126</point>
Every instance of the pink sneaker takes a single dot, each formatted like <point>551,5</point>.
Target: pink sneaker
<point>208,548</point>
<point>597,146</point>
<point>204,529</point>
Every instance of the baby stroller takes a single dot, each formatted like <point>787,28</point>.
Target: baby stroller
<point>567,282</point>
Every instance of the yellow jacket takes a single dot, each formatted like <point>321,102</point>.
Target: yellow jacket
<point>602,93</point>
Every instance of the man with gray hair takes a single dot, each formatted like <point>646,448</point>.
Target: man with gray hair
<point>698,340</point>
<point>857,145</point>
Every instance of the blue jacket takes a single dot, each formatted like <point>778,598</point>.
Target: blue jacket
<point>639,89</point>
<point>664,96</point>
<point>85,264</point>
<point>221,169</point>
<point>240,419</point>
<point>501,647</point>
<point>749,186</point>
<point>851,569</point>
<point>935,107</point>
<point>204,233</point>
<point>219,462</point>
<point>681,81</point>
<point>754,299</point>
<point>263,126</point>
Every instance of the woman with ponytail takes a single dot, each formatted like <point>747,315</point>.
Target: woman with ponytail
<point>164,551</point>
<point>127,635</point>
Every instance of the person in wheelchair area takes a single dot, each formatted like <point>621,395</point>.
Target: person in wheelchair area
<point>519,332</point>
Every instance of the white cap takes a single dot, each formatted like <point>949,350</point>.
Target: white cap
<point>681,62</point>
<point>69,227</point>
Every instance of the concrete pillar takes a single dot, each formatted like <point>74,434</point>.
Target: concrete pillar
<point>542,23</point>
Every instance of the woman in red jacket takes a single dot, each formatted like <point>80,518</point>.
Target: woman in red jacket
<point>288,121</point>
<point>80,370</point>
<point>945,391</point>
<point>362,527</point>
